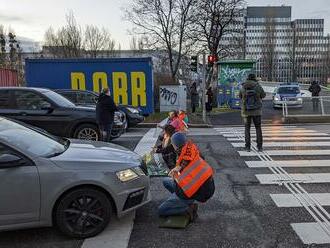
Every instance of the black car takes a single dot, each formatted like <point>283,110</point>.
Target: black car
<point>54,113</point>
<point>89,98</point>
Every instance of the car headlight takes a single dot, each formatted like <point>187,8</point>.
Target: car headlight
<point>276,98</point>
<point>133,110</point>
<point>126,175</point>
<point>299,99</point>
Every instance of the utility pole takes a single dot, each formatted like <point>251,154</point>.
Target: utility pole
<point>203,87</point>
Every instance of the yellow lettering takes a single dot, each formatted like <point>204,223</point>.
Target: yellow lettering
<point>99,79</point>
<point>119,81</point>
<point>78,81</point>
<point>139,96</point>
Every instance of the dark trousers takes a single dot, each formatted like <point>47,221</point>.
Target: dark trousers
<point>257,124</point>
<point>193,108</point>
<point>315,104</point>
<point>105,132</point>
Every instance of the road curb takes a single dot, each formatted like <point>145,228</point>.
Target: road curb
<point>306,119</point>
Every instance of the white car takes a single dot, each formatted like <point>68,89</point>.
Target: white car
<point>290,94</point>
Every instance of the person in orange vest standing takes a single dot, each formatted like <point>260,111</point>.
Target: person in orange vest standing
<point>190,180</point>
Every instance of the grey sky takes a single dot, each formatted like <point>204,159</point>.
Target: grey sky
<point>30,18</point>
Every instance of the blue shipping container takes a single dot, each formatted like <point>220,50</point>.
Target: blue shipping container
<point>130,79</point>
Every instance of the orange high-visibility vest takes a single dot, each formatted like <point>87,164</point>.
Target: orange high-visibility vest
<point>195,174</point>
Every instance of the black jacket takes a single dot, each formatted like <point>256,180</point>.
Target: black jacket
<point>315,89</point>
<point>105,109</point>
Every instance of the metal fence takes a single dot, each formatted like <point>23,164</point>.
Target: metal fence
<point>309,107</point>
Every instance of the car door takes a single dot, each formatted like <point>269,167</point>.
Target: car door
<point>86,99</point>
<point>19,189</point>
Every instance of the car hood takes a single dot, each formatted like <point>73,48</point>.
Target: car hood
<point>82,155</point>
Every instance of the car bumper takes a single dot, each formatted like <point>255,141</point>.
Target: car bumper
<point>117,130</point>
<point>134,195</point>
<point>134,119</point>
<point>279,104</point>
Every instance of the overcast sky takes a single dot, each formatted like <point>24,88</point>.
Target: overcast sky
<point>30,18</point>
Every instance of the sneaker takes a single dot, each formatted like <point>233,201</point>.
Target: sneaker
<point>247,149</point>
<point>260,149</point>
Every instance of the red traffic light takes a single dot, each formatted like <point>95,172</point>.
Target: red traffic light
<point>211,59</point>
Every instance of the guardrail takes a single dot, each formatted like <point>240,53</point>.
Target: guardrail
<point>309,107</point>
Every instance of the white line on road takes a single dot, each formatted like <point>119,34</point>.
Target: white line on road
<point>233,135</point>
<point>267,139</point>
<point>288,153</point>
<point>288,163</point>
<point>289,200</point>
<point>311,233</point>
<point>288,144</point>
<point>273,131</point>
<point>300,178</point>
<point>118,232</point>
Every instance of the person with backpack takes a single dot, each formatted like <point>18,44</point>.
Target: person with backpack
<point>315,89</point>
<point>190,180</point>
<point>251,95</point>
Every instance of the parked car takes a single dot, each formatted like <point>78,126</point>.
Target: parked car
<point>88,98</point>
<point>289,94</point>
<point>75,185</point>
<point>54,113</point>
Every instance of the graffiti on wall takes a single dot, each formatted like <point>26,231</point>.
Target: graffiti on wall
<point>168,95</point>
<point>233,76</point>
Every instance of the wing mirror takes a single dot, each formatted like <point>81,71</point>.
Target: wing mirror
<point>47,107</point>
<point>10,161</point>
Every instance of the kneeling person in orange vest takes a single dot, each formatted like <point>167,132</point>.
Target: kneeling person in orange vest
<point>191,180</point>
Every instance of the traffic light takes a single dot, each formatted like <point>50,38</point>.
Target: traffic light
<point>211,59</point>
<point>193,63</point>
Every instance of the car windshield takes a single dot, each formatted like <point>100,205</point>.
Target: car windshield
<point>58,99</point>
<point>288,90</point>
<point>32,141</point>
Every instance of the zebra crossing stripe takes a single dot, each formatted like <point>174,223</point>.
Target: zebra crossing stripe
<point>311,233</point>
<point>288,163</point>
<point>298,178</point>
<point>274,132</point>
<point>233,135</point>
<point>267,139</point>
<point>288,153</point>
<point>287,144</point>
<point>289,200</point>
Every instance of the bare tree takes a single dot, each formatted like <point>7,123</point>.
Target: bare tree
<point>137,43</point>
<point>166,23</point>
<point>215,20</point>
<point>2,46</point>
<point>67,42</point>
<point>97,40</point>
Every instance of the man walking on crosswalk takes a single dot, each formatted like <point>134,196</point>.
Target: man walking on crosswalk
<point>251,95</point>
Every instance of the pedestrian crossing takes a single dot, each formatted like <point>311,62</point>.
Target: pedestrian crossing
<point>287,147</point>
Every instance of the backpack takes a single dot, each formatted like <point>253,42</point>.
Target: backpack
<point>252,101</point>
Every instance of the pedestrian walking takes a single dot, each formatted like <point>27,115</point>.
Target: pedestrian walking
<point>194,97</point>
<point>251,95</point>
<point>209,101</point>
<point>315,89</point>
<point>190,180</point>
<point>105,112</point>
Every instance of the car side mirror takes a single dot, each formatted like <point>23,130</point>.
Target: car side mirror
<point>302,93</point>
<point>10,161</point>
<point>47,107</point>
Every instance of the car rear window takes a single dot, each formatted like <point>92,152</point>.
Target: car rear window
<point>4,99</point>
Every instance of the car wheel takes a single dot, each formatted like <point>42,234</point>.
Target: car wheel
<point>87,132</point>
<point>83,213</point>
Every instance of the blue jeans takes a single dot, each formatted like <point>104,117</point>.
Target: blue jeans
<point>173,205</point>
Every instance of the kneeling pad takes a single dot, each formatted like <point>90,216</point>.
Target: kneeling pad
<point>175,222</point>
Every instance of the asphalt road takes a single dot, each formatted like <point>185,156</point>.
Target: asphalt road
<point>241,213</point>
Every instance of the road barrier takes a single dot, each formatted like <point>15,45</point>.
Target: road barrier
<point>310,107</point>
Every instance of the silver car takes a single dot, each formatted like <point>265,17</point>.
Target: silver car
<point>74,184</point>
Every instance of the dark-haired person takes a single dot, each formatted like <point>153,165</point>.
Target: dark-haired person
<point>105,112</point>
<point>251,95</point>
<point>315,89</point>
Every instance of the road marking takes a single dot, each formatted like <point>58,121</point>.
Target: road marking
<point>311,233</point>
<point>288,163</point>
<point>118,232</point>
<point>274,132</point>
<point>233,135</point>
<point>288,153</point>
<point>299,178</point>
<point>263,128</point>
<point>289,200</point>
<point>287,144</point>
<point>284,138</point>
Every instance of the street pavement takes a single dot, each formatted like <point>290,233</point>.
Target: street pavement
<point>279,198</point>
